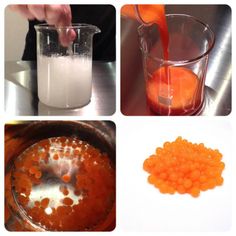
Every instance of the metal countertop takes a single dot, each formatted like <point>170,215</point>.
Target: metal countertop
<point>21,91</point>
<point>218,79</point>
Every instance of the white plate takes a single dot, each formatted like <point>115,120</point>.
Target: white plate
<point>141,206</point>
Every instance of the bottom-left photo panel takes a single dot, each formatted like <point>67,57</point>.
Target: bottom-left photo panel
<point>60,176</point>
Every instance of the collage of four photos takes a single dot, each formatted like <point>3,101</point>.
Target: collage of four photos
<point>118,126</point>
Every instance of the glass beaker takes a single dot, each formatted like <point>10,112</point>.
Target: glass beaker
<point>65,73</point>
<point>176,86</point>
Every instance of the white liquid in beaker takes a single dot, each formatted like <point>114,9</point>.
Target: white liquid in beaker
<point>64,81</point>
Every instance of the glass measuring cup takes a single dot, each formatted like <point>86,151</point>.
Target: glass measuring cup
<point>176,86</point>
<point>65,73</point>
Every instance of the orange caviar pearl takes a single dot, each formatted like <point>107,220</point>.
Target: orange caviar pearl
<point>187,183</point>
<point>67,201</point>
<point>66,178</point>
<point>38,174</point>
<point>33,170</point>
<point>37,203</point>
<point>45,202</point>
<point>180,189</point>
<point>195,192</point>
<point>195,174</point>
<point>76,152</point>
<point>55,157</point>
<point>64,190</point>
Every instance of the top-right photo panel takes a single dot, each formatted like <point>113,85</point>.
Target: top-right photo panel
<point>176,60</point>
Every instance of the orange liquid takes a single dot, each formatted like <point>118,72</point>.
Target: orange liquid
<point>176,98</point>
<point>170,90</point>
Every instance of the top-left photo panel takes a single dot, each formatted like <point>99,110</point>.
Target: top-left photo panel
<point>60,60</point>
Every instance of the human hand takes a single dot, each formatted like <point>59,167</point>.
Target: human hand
<point>57,15</point>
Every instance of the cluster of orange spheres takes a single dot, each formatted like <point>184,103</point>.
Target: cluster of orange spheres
<point>183,167</point>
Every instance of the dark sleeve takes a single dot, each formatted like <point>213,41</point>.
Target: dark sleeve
<point>29,53</point>
<point>104,17</point>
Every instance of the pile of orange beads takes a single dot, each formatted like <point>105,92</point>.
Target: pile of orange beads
<point>184,167</point>
<point>65,184</point>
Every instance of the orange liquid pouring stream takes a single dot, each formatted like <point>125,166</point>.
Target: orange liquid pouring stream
<point>170,90</point>
<point>156,14</point>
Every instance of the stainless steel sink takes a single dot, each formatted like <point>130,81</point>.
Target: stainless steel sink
<point>218,79</point>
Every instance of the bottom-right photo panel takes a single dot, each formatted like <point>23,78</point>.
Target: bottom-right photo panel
<point>176,175</point>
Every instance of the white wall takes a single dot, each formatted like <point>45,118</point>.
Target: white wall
<point>16,28</point>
